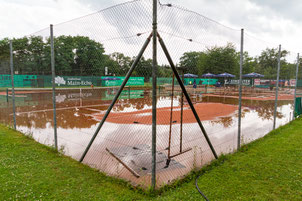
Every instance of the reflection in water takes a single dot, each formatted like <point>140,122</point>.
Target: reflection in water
<point>75,108</point>
<point>225,121</point>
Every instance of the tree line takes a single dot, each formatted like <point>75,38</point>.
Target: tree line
<point>74,55</point>
<point>218,60</point>
<point>79,55</point>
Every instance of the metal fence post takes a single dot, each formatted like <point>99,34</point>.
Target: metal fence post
<point>277,88</point>
<point>240,90</point>
<point>154,97</point>
<point>297,69</point>
<point>6,94</point>
<point>53,86</point>
<point>13,84</point>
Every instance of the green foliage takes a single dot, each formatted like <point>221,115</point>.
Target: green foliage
<point>268,62</point>
<point>74,55</point>
<point>249,63</point>
<point>4,56</point>
<point>80,55</point>
<point>121,64</point>
<point>164,71</point>
<point>218,60</point>
<point>144,68</point>
<point>226,59</point>
<point>4,49</point>
<point>31,171</point>
<point>189,61</point>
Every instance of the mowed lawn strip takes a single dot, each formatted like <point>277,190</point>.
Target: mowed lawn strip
<point>267,169</point>
<point>32,171</point>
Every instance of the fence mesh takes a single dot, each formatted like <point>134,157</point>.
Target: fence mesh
<point>93,54</point>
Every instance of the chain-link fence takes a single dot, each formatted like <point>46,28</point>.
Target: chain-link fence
<point>93,115</point>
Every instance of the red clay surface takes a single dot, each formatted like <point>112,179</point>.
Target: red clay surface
<point>264,97</point>
<point>24,92</point>
<point>206,111</point>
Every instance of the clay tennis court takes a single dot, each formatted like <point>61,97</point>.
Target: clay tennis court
<point>206,111</point>
<point>127,131</point>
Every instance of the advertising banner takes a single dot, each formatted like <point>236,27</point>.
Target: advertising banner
<point>236,82</point>
<point>292,82</point>
<point>256,82</point>
<point>75,81</point>
<point>108,81</point>
<point>126,94</point>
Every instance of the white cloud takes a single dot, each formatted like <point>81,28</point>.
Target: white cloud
<point>19,18</point>
<point>269,21</point>
<point>274,22</point>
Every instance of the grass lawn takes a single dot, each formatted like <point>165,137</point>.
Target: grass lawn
<point>268,169</point>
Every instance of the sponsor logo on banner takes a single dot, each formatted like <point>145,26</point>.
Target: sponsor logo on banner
<point>77,81</point>
<point>60,80</point>
<point>256,81</point>
<point>72,81</point>
<point>236,82</point>
<point>292,82</point>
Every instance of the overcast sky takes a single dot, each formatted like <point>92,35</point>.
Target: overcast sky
<point>276,21</point>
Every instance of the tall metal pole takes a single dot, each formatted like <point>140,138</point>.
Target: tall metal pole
<point>116,96</point>
<point>53,86</point>
<point>6,94</point>
<point>154,96</point>
<point>297,69</point>
<point>277,88</point>
<point>181,113</point>
<point>240,90</point>
<point>13,84</point>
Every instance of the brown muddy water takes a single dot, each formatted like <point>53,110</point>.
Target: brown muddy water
<point>79,111</point>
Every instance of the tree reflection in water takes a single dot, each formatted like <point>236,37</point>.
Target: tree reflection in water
<point>76,109</point>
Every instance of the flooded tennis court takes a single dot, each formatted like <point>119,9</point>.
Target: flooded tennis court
<point>123,146</point>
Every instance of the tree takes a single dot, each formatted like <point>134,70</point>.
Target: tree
<point>249,63</point>
<point>89,58</point>
<point>73,55</point>
<point>4,49</point>
<point>218,60</point>
<point>64,55</point>
<point>164,71</point>
<point>4,56</point>
<point>113,66</point>
<point>268,62</point>
<point>21,55</point>
<point>189,61</point>
<point>143,68</point>
<point>124,63</point>
<point>39,55</point>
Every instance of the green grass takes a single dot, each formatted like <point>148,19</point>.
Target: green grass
<point>31,171</point>
<point>267,169</point>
